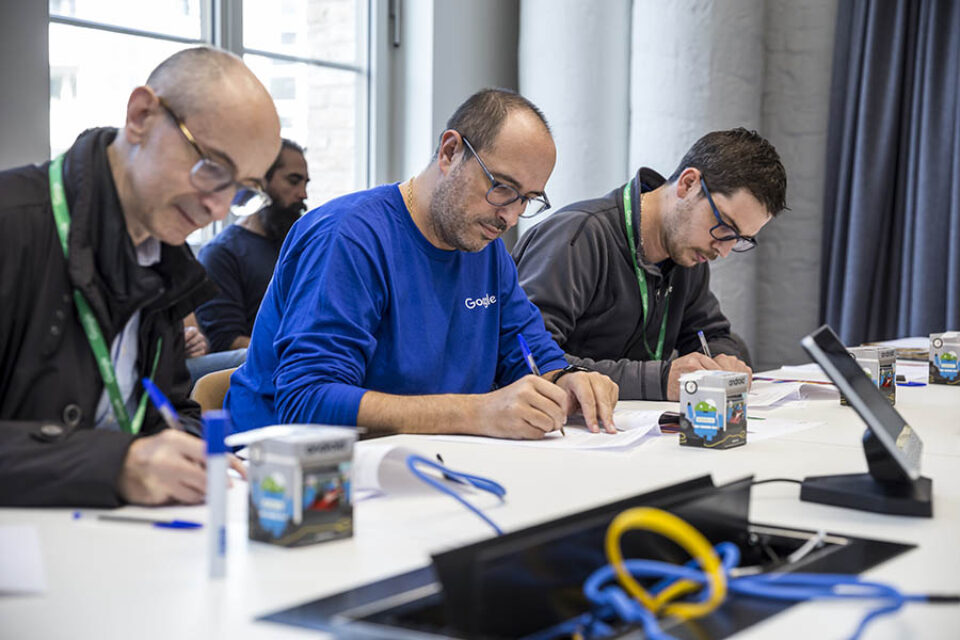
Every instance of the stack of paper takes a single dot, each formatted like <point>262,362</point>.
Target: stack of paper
<point>765,394</point>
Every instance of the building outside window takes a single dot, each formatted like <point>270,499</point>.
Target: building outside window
<point>312,55</point>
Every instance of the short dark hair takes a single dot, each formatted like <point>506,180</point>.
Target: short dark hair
<point>739,159</point>
<point>481,116</point>
<point>286,143</point>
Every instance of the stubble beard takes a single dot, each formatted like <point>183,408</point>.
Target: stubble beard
<point>449,218</point>
<point>676,229</point>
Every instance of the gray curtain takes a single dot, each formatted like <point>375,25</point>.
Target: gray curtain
<point>891,244</point>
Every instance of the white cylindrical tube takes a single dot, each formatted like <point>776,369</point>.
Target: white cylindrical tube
<point>216,425</point>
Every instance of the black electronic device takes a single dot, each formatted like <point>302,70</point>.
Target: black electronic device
<point>529,580</point>
<point>894,484</point>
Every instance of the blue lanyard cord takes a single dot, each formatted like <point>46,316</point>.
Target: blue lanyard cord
<point>484,484</point>
<point>612,605</point>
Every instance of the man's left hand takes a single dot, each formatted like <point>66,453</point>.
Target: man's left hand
<point>195,342</point>
<point>733,363</point>
<point>592,394</point>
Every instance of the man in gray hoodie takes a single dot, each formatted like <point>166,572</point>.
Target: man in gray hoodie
<point>623,281</point>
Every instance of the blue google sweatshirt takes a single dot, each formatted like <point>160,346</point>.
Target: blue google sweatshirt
<point>360,300</point>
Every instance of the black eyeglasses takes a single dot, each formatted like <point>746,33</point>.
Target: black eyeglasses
<point>743,243</point>
<point>502,195</point>
<point>210,176</point>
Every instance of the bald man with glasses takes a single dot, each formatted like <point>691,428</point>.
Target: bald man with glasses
<point>398,307</point>
<point>623,281</point>
<point>95,280</point>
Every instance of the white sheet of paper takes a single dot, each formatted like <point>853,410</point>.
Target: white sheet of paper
<point>807,372</point>
<point>626,419</point>
<point>631,419</point>
<point>811,377</point>
<point>246,438</point>
<point>382,468</point>
<point>919,342</point>
<point>913,371</point>
<point>21,563</point>
<point>578,437</point>
<point>765,394</point>
<point>759,430</point>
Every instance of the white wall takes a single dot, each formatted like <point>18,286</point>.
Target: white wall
<point>698,66</point>
<point>25,82</point>
<point>796,103</point>
<point>574,64</point>
<point>765,65</point>
<point>449,50</point>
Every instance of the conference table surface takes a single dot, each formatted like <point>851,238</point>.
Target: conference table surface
<point>112,580</point>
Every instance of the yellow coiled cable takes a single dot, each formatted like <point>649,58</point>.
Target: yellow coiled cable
<point>692,541</point>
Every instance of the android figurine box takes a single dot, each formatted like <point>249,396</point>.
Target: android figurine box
<point>944,354</point>
<point>880,365</point>
<point>713,409</point>
<point>300,487</point>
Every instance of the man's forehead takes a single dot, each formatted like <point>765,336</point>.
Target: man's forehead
<point>744,210</point>
<point>293,160</point>
<point>235,139</point>
<point>523,151</point>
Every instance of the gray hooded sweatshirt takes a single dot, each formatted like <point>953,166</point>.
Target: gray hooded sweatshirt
<point>576,267</point>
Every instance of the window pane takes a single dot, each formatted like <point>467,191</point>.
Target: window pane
<point>323,114</point>
<point>327,30</point>
<point>92,73</point>
<point>172,17</point>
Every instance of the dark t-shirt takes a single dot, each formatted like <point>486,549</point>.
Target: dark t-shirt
<point>241,264</point>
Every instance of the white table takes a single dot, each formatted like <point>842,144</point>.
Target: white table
<point>111,580</point>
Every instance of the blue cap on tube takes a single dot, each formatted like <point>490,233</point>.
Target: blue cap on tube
<point>216,427</point>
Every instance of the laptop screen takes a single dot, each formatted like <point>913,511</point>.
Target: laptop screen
<point>884,421</point>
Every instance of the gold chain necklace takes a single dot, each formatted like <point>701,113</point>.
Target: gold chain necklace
<point>409,195</point>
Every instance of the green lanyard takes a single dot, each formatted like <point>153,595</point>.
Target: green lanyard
<point>642,280</point>
<point>61,214</point>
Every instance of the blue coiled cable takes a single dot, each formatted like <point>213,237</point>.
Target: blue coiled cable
<point>612,605</point>
<point>484,484</point>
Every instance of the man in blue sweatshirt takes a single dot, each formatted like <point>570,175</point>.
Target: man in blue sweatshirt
<point>399,307</point>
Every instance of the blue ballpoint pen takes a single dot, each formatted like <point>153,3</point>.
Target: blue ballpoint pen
<point>703,343</point>
<point>163,405</point>
<point>534,369</point>
<point>163,524</point>
<point>528,355</point>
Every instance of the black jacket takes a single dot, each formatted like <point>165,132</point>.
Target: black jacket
<point>49,382</point>
<point>576,267</point>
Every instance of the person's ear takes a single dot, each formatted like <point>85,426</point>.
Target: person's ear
<point>688,182</point>
<point>451,147</point>
<point>142,104</point>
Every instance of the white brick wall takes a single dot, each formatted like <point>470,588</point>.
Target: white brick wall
<point>701,65</point>
<point>799,57</point>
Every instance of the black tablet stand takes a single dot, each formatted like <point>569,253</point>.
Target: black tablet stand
<point>885,489</point>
